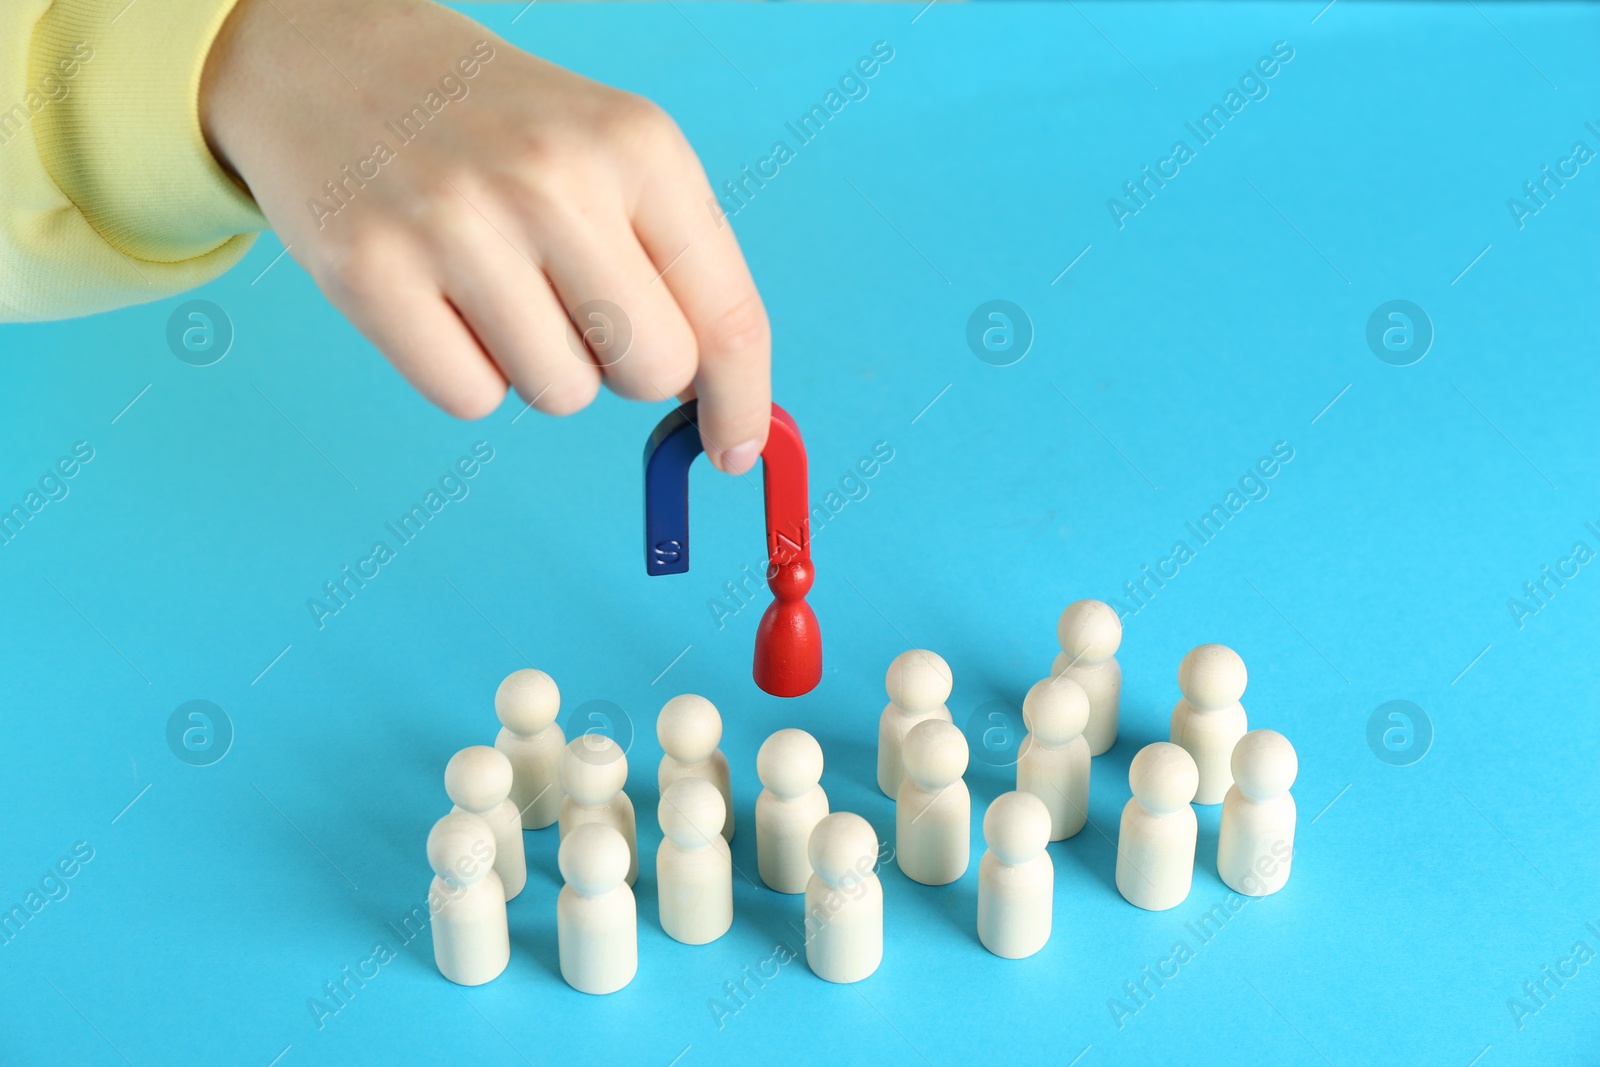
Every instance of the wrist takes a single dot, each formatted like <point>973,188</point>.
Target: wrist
<point>237,83</point>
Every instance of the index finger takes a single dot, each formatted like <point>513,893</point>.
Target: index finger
<point>685,234</point>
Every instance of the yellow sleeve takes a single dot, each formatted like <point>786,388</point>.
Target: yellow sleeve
<point>108,193</point>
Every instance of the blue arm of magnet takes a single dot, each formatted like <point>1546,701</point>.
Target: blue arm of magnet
<point>672,447</point>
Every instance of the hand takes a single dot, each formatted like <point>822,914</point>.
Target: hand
<point>462,201</point>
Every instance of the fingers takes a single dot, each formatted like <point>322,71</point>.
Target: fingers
<point>707,276</point>
<point>623,311</point>
<point>617,271</point>
<point>399,308</point>
<point>510,306</point>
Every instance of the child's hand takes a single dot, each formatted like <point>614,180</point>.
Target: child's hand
<point>480,198</point>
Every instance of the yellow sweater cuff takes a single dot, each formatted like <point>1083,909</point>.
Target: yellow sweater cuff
<point>124,144</point>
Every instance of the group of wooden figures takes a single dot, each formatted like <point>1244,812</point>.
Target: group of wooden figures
<point>533,777</point>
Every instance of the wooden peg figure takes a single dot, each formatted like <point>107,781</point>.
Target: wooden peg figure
<point>593,771</point>
<point>1016,878</point>
<point>527,704</point>
<point>1053,760</point>
<point>1155,846</point>
<point>597,919</point>
<point>791,804</point>
<point>694,869</point>
<point>478,780</point>
<point>689,729</point>
<point>1090,634</point>
<point>918,683</point>
<point>844,900</point>
<point>788,639</point>
<point>466,902</point>
<point>933,813</point>
<point>1209,720</point>
<point>1256,840</point>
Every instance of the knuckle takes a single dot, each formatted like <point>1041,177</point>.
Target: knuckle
<point>551,183</point>
<point>659,365</point>
<point>637,122</point>
<point>358,263</point>
<point>540,156</point>
<point>445,212</point>
<point>739,328</point>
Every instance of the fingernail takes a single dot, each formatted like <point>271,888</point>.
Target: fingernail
<point>740,457</point>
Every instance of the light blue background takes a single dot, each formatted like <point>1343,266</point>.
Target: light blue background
<point>1172,355</point>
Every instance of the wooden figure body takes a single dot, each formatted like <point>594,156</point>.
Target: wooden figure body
<point>1256,841</point>
<point>689,729</point>
<point>694,869</point>
<point>1156,842</point>
<point>1053,760</point>
<point>478,780</point>
<point>1209,720</point>
<point>933,813</point>
<point>527,704</point>
<point>918,683</point>
<point>789,765</point>
<point>593,772</point>
<point>1016,878</point>
<point>1090,634</point>
<point>844,900</point>
<point>466,902</point>
<point>597,921</point>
